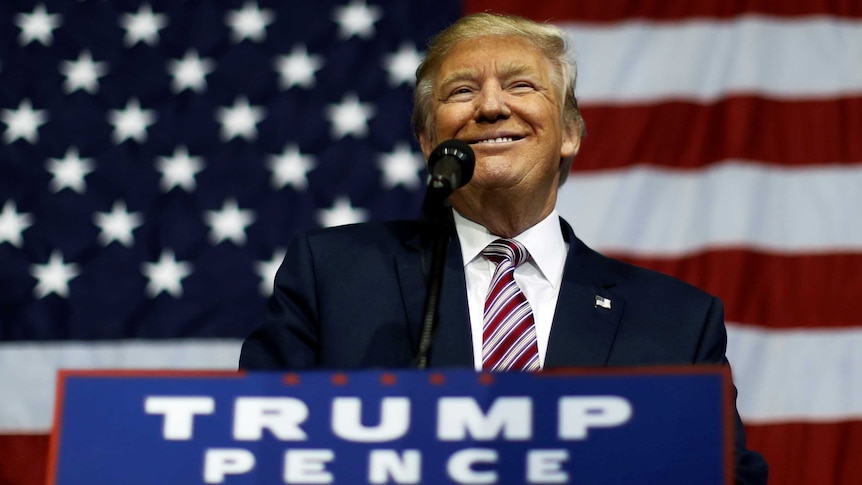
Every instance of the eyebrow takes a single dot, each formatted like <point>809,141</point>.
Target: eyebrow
<point>508,70</point>
<point>458,76</point>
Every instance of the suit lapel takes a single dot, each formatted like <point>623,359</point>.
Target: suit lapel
<point>588,311</point>
<point>452,343</point>
<point>411,278</point>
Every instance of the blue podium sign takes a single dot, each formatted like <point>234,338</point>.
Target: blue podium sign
<point>662,426</point>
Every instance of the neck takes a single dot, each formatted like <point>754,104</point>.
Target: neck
<point>503,214</point>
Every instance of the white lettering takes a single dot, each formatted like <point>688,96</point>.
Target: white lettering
<point>307,466</point>
<point>544,466</point>
<point>460,466</point>
<point>387,466</point>
<point>219,462</point>
<point>578,414</point>
<point>458,417</point>
<point>179,413</point>
<point>281,415</point>
<point>347,420</point>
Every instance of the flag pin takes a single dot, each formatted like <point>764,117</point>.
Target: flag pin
<point>603,302</point>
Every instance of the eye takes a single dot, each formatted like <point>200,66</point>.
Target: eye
<point>520,86</point>
<point>460,92</point>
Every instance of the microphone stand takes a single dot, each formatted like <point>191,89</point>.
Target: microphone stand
<point>450,166</point>
<point>437,228</point>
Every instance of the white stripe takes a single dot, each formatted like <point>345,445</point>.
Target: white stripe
<point>654,211</point>
<point>796,375</point>
<point>28,370</point>
<point>782,375</point>
<point>706,59</point>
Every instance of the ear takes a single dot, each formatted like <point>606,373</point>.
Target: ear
<point>571,142</point>
<point>426,145</point>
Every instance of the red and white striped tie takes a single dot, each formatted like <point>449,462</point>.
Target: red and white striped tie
<point>509,332</point>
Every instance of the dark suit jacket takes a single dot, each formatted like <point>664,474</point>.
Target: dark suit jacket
<point>353,296</point>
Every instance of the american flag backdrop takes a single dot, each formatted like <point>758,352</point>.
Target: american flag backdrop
<point>156,157</point>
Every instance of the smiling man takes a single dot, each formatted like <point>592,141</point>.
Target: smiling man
<point>503,95</point>
<point>520,292</point>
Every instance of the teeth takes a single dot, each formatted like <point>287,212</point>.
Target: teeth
<point>497,140</point>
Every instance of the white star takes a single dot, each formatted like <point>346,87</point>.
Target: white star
<point>229,223</point>
<point>23,122</point>
<point>402,65</point>
<point>298,68</point>
<point>179,170</point>
<point>240,120</point>
<point>143,26</point>
<point>13,223</point>
<point>38,25</point>
<point>341,212</point>
<point>190,72</point>
<point>249,23</point>
<point>117,225</point>
<point>131,122</point>
<point>82,73</point>
<point>350,117</point>
<point>290,167</point>
<point>165,275</point>
<point>69,171</point>
<point>53,276</point>
<point>266,271</point>
<point>356,19</point>
<point>401,167</point>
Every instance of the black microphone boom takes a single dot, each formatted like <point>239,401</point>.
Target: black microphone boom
<point>450,166</point>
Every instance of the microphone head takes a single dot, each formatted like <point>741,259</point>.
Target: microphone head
<point>456,149</point>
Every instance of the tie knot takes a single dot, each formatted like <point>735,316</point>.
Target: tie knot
<point>506,249</point>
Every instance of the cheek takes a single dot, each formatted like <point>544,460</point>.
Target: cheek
<point>450,119</point>
<point>547,120</point>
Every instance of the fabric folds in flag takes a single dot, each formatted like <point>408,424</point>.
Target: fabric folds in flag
<point>156,157</point>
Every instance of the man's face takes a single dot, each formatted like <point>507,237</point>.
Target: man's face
<point>496,94</point>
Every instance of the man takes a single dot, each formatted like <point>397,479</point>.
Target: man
<point>352,297</point>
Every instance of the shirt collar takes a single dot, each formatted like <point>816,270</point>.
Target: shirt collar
<point>544,241</point>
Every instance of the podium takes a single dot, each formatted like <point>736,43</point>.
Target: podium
<point>644,426</point>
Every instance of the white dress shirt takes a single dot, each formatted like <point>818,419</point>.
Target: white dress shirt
<point>539,277</point>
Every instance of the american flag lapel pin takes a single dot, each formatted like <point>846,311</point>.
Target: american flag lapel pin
<point>603,302</point>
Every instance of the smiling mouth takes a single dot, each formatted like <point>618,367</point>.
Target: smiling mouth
<point>490,141</point>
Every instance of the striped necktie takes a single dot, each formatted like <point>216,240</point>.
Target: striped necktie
<point>509,332</point>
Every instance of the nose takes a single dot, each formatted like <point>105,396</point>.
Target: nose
<point>492,104</point>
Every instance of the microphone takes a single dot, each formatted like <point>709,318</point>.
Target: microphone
<point>450,166</point>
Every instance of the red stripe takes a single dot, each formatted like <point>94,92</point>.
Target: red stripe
<point>617,10</point>
<point>808,453</point>
<point>787,133</point>
<point>774,290</point>
<point>23,459</point>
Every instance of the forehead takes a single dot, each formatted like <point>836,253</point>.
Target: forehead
<point>493,54</point>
